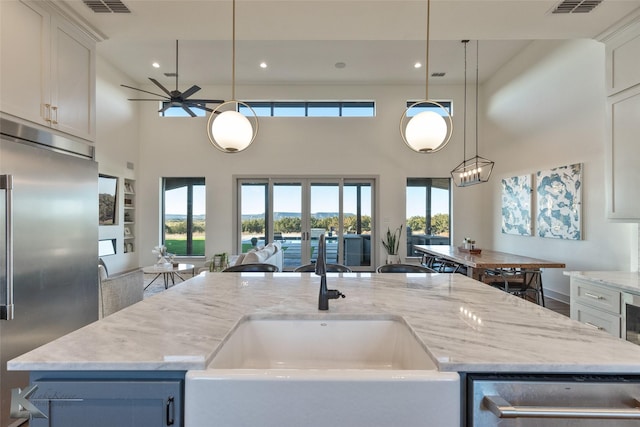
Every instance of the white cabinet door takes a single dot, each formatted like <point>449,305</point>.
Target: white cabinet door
<point>73,81</point>
<point>622,154</point>
<point>47,73</point>
<point>24,69</point>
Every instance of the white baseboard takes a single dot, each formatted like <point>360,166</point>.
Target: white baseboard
<point>556,296</point>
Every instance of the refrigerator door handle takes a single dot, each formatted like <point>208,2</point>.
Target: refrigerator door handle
<point>6,304</point>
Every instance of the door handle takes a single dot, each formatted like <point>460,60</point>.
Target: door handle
<point>503,409</point>
<point>6,304</point>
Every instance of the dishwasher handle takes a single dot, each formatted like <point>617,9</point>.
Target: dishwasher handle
<point>503,409</point>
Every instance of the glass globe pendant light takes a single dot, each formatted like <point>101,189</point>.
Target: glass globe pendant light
<point>426,126</point>
<point>229,130</point>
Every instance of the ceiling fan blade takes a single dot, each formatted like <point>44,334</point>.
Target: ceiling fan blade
<point>201,106</point>
<point>206,101</point>
<point>146,99</point>
<point>187,93</point>
<point>188,110</point>
<point>167,105</point>
<point>142,90</point>
<point>157,83</point>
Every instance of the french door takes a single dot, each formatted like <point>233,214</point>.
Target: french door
<point>297,211</point>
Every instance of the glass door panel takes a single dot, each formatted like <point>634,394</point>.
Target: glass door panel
<point>298,211</point>
<point>287,223</point>
<point>253,215</point>
<point>324,219</point>
<point>356,227</point>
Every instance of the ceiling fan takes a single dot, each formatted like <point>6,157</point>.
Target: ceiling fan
<point>175,98</point>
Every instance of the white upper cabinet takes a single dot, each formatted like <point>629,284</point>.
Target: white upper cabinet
<point>622,161</point>
<point>47,72</point>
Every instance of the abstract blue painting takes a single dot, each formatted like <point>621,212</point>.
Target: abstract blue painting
<point>559,201</point>
<point>516,205</point>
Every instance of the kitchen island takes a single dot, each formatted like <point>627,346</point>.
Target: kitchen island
<point>466,326</point>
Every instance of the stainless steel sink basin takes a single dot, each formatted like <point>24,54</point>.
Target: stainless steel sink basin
<point>385,342</point>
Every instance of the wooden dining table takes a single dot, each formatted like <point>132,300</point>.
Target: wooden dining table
<point>476,264</point>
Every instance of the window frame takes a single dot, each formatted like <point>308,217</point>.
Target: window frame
<point>427,183</point>
<point>190,183</point>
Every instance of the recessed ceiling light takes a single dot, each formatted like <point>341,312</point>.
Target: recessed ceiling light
<point>417,65</point>
<point>263,65</point>
<point>155,65</point>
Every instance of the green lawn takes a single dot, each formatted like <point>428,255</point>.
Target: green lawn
<point>179,246</point>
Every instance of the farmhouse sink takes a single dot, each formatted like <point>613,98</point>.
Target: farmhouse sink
<point>322,371</point>
<point>321,343</point>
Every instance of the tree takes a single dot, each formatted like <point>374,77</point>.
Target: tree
<point>440,224</point>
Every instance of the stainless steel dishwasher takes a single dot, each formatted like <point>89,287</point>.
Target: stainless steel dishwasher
<point>553,400</point>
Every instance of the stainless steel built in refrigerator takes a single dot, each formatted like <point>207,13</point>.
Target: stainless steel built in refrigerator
<point>48,244</point>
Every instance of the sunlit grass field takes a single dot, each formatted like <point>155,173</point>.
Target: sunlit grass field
<point>177,244</point>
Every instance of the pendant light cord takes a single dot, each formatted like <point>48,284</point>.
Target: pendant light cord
<point>464,126</point>
<point>477,84</point>
<point>233,52</point>
<point>426,61</point>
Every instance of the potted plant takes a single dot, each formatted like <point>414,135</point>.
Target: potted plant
<point>391,243</point>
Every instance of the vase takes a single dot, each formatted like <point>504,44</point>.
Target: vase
<point>393,259</point>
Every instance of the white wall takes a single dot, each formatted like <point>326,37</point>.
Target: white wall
<point>116,144</point>
<point>543,110</point>
<point>295,146</point>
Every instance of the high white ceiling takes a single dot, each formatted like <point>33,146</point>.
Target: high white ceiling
<point>302,40</point>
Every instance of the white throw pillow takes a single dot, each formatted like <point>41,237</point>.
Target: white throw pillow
<point>255,257</point>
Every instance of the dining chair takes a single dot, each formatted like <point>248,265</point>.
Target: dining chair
<point>252,267</point>
<point>331,268</point>
<point>517,281</point>
<point>404,268</point>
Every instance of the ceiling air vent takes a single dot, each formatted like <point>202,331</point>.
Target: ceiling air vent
<point>576,6</point>
<point>107,6</point>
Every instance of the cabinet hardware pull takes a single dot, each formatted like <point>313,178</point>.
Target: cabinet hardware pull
<point>600,328</point>
<point>170,411</point>
<point>6,306</point>
<point>47,113</point>
<point>503,409</point>
<point>55,110</point>
<point>594,296</point>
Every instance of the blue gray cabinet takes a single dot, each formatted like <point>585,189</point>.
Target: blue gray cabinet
<point>123,399</point>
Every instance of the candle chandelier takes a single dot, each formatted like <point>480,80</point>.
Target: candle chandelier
<point>475,170</point>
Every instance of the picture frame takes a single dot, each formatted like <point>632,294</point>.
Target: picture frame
<point>127,231</point>
<point>559,202</point>
<point>107,197</point>
<point>128,188</point>
<point>516,205</point>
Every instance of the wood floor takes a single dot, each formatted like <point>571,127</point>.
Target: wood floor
<point>557,306</point>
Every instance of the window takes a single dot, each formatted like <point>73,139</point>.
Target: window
<point>183,216</point>
<point>427,107</point>
<point>311,108</point>
<point>428,212</point>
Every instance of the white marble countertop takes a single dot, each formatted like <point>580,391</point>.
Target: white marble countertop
<point>466,325</point>
<point>621,280</point>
